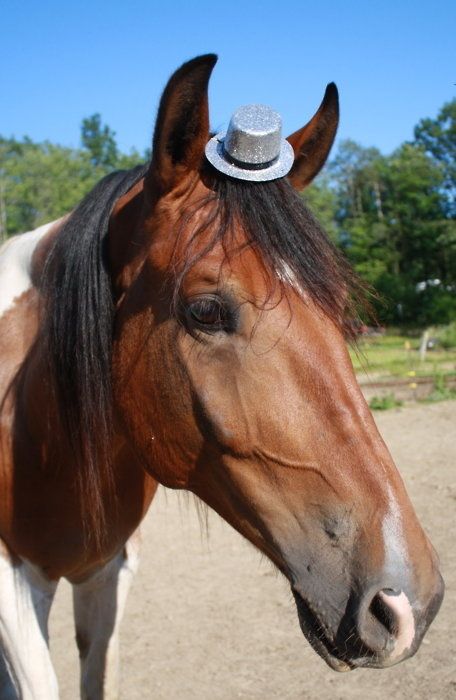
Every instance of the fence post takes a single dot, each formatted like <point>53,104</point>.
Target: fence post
<point>423,345</point>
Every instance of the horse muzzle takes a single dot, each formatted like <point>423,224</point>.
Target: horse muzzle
<point>377,629</point>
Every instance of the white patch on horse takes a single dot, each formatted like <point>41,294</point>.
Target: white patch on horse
<point>286,274</point>
<point>15,264</point>
<point>99,604</point>
<point>396,555</point>
<point>25,600</point>
<point>396,560</point>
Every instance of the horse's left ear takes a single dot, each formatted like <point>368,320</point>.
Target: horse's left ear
<point>312,143</point>
<point>182,127</point>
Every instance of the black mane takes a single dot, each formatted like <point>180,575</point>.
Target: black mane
<point>77,334</point>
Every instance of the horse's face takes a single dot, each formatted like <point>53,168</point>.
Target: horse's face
<point>242,391</point>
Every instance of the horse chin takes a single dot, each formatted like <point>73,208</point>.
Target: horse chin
<point>317,638</point>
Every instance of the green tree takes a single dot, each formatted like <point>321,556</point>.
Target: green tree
<point>363,232</point>
<point>321,199</point>
<point>41,181</point>
<point>125,161</point>
<point>420,230</point>
<point>438,138</point>
<point>100,142</point>
<point>394,227</point>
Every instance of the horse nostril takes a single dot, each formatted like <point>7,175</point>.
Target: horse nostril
<point>383,613</point>
<point>387,624</point>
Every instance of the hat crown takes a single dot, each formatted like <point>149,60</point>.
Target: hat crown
<point>254,135</point>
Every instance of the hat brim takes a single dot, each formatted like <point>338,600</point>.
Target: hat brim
<point>281,167</point>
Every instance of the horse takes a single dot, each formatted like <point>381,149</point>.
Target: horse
<point>186,328</point>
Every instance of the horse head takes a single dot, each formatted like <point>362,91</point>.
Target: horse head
<point>232,379</point>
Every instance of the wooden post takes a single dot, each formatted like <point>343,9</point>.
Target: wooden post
<point>423,345</point>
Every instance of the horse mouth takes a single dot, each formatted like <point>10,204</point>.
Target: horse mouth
<point>315,634</point>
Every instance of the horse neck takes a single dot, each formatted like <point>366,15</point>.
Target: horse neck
<point>36,406</point>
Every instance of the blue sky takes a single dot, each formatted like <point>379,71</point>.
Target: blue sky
<point>394,62</point>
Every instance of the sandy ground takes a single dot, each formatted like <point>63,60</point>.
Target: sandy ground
<point>208,619</point>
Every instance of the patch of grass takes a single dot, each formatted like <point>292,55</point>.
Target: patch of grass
<point>441,391</point>
<point>447,335</point>
<point>384,403</point>
<point>398,356</point>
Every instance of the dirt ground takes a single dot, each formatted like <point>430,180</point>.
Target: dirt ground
<point>208,619</point>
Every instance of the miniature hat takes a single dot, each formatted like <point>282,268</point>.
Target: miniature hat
<point>253,147</point>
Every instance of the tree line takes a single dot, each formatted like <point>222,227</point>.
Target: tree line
<point>394,216</point>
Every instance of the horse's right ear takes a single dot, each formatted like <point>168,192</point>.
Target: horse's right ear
<point>182,127</point>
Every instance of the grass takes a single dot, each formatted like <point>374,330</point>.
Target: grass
<point>441,392</point>
<point>447,335</point>
<point>394,356</point>
<point>384,403</point>
<point>398,356</point>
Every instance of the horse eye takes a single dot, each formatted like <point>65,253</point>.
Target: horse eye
<point>207,311</point>
<point>209,314</point>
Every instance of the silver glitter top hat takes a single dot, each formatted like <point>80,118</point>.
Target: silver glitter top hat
<point>253,147</point>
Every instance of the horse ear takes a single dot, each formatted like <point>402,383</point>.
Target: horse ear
<point>182,127</point>
<point>312,143</point>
